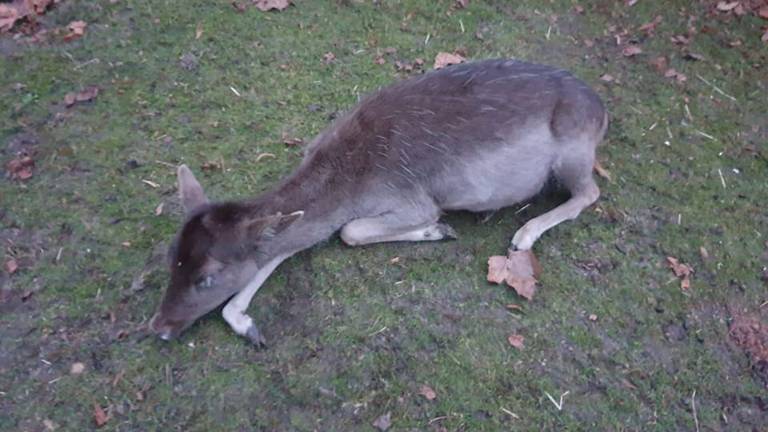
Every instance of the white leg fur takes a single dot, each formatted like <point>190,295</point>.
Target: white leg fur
<point>534,228</point>
<point>376,230</point>
<point>234,311</point>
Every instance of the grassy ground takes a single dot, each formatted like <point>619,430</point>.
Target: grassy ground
<point>352,334</point>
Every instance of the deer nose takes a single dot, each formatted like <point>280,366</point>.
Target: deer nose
<point>163,330</point>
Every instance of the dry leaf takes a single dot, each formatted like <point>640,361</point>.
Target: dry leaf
<point>240,7</point>
<point>444,59</point>
<point>680,40</point>
<point>631,51</point>
<point>383,422</point>
<point>199,30</point>
<point>517,341</point>
<point>650,27</point>
<point>671,73</point>
<point>77,368</point>
<point>682,271</point>
<point>268,5</point>
<point>159,209</point>
<point>514,307</point>
<point>592,317</point>
<point>602,172</point>
<point>607,78</point>
<point>329,57</point>
<point>427,392</point>
<point>659,63</point>
<point>76,29</point>
<point>20,168</point>
<point>9,14</point>
<point>287,140</point>
<point>519,269</point>
<point>726,6</point>
<point>99,416</point>
<point>752,336</point>
<point>11,266</point>
<point>85,95</point>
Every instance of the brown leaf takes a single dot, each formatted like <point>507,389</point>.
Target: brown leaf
<point>607,78</point>
<point>76,29</point>
<point>726,6</point>
<point>287,140</point>
<point>85,95</point>
<point>268,5</point>
<point>514,307</point>
<point>99,416</point>
<point>20,168</point>
<point>199,30</point>
<point>240,7</point>
<point>444,59</point>
<point>672,73</point>
<point>9,14</point>
<point>427,392</point>
<point>592,317</point>
<point>602,172</point>
<point>383,422</point>
<point>680,40</point>
<point>379,60</point>
<point>659,63</point>
<point>11,266</point>
<point>751,335</point>
<point>682,271</point>
<point>650,27</point>
<point>631,51</point>
<point>519,269</point>
<point>517,341</point>
<point>329,57</point>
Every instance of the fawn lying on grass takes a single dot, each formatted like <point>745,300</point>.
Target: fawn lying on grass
<point>477,136</point>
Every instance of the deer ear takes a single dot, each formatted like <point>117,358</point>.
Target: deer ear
<point>269,226</point>
<point>190,191</point>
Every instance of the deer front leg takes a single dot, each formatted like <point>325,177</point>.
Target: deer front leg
<point>234,311</point>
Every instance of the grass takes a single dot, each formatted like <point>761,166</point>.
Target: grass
<point>352,334</point>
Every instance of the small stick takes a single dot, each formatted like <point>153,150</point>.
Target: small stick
<point>523,208</point>
<point>165,163</point>
<point>717,89</point>
<point>705,135</point>
<point>514,416</point>
<point>234,90</point>
<point>693,405</point>
<point>461,24</point>
<point>549,30</point>
<point>722,179</point>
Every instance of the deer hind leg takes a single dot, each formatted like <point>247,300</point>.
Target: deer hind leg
<point>575,173</point>
<point>391,227</point>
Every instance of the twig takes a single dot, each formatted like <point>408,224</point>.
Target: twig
<point>693,405</point>
<point>514,416</point>
<point>559,406</point>
<point>461,24</point>
<point>165,163</point>
<point>234,90</point>
<point>717,89</point>
<point>705,135</point>
<point>523,208</point>
<point>722,179</point>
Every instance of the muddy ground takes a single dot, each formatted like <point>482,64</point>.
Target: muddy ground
<point>354,333</point>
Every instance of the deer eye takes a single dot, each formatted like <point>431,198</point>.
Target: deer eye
<point>204,282</point>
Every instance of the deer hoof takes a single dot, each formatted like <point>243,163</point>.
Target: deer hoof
<point>257,339</point>
<point>447,232</point>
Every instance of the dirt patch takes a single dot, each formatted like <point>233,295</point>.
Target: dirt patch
<point>750,334</point>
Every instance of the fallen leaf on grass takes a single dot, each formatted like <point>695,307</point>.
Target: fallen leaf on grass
<point>444,59</point>
<point>268,5</point>
<point>198,30</point>
<point>601,171</point>
<point>11,12</point>
<point>427,392</point>
<point>383,422</point>
<point>329,57</point>
<point>517,341</point>
<point>20,168</point>
<point>77,368</point>
<point>680,40</point>
<point>519,269</point>
<point>11,266</point>
<point>682,271</point>
<point>592,317</point>
<point>76,29</point>
<point>650,27</point>
<point>85,95</point>
<point>289,141</point>
<point>631,51</point>
<point>240,7</point>
<point>99,416</point>
<point>726,6</point>
<point>607,78</point>
<point>659,63</point>
<point>672,73</point>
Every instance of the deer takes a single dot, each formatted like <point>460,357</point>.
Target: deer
<point>477,136</point>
